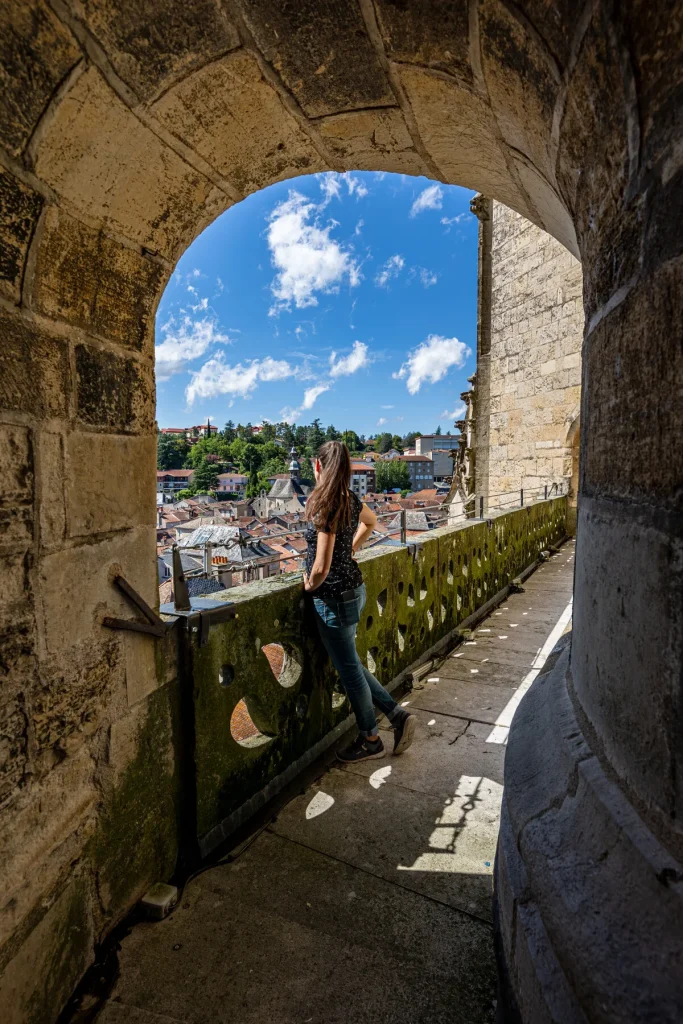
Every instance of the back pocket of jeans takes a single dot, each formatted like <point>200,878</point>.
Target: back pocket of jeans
<point>347,612</point>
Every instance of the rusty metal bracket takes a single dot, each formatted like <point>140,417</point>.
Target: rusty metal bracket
<point>413,548</point>
<point>153,624</point>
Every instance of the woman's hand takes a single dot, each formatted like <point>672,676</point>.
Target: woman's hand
<point>307,585</point>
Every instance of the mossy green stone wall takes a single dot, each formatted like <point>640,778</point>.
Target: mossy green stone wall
<point>416,596</point>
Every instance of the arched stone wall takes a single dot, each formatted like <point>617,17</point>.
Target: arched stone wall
<point>125,129</point>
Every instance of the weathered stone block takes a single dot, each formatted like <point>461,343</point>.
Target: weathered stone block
<point>110,482</point>
<point>17,654</point>
<point>20,208</point>
<point>38,981</point>
<point>114,170</point>
<point>373,140</point>
<point>86,279</point>
<point>238,123</point>
<point>113,392</point>
<point>183,37</point>
<point>16,589</point>
<point>75,585</point>
<point>36,52</point>
<point>333,69</point>
<point>593,166</point>
<point>523,82</point>
<point>635,447</point>
<point>16,465</point>
<point>629,573</point>
<point>13,746</point>
<point>136,840</point>
<point>16,497</point>
<point>142,667</point>
<point>428,33</point>
<point>71,694</point>
<point>52,508</point>
<point>43,829</point>
<point>34,369</point>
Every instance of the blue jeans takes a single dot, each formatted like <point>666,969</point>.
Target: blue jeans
<point>337,621</point>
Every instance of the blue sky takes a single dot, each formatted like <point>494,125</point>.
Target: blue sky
<point>348,297</point>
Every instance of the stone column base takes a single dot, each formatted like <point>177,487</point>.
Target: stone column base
<point>588,903</point>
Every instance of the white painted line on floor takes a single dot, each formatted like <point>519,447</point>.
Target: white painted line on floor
<point>500,730</point>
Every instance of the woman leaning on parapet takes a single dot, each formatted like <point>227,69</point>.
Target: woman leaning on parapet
<point>338,525</point>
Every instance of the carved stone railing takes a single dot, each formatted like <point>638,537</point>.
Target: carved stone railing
<point>263,698</point>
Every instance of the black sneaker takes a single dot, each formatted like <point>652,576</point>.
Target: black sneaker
<point>404,731</point>
<point>362,749</point>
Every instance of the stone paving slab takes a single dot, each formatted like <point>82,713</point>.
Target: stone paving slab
<point>440,846</point>
<point>479,700</point>
<point>280,935</point>
<point>465,671</point>
<point>516,661</point>
<point>445,754</point>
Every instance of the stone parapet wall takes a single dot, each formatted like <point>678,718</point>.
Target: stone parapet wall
<point>529,380</point>
<point>415,597</point>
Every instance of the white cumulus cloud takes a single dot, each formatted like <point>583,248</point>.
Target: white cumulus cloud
<point>307,259</point>
<point>431,361</point>
<point>311,395</point>
<point>457,413</point>
<point>381,421</point>
<point>345,365</point>
<point>392,268</point>
<point>184,341</point>
<point>460,218</point>
<point>431,198</point>
<point>428,277</point>
<point>331,185</point>
<point>216,377</point>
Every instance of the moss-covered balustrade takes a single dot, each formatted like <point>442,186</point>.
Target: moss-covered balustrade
<point>416,596</point>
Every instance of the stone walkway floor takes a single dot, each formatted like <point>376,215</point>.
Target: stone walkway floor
<point>368,899</point>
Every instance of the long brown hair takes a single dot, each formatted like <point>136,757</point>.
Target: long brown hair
<point>329,505</point>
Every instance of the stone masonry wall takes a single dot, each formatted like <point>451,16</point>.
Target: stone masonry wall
<point>529,383</point>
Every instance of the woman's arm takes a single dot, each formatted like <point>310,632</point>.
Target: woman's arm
<point>367,520</point>
<point>323,561</point>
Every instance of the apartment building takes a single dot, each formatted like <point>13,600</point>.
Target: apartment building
<point>362,477</point>
<point>232,483</point>
<point>438,447</point>
<point>170,481</point>
<point>421,471</point>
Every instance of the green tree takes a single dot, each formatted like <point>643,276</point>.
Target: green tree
<point>286,433</point>
<point>390,474</point>
<point>351,440</point>
<point>171,451</point>
<point>187,492</point>
<point>383,443</point>
<point>229,433</point>
<point>332,434</point>
<point>253,487</point>
<point>215,446</point>
<point>251,460</point>
<point>205,477</point>
<point>315,437</point>
<point>409,439</point>
<point>397,442</point>
<point>268,432</point>
<point>438,430</point>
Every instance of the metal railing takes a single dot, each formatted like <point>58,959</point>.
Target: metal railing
<point>438,514</point>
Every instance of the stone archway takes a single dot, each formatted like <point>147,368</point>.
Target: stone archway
<point>125,129</point>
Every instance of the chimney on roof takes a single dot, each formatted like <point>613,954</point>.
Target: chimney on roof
<point>294,466</point>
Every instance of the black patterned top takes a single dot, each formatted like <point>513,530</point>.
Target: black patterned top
<point>344,573</point>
